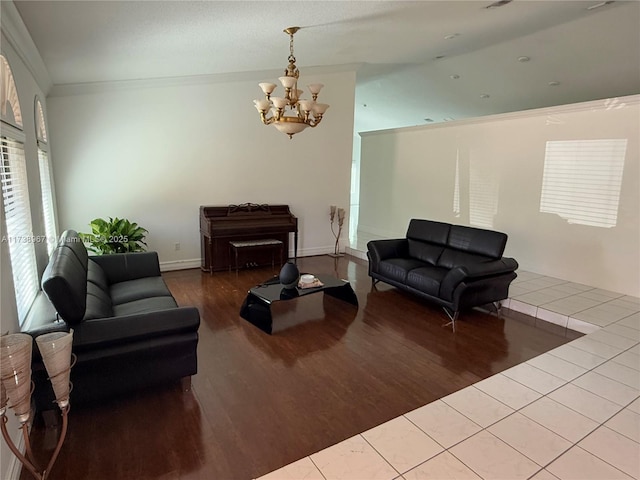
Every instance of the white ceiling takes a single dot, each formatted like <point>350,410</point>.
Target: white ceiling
<point>593,54</point>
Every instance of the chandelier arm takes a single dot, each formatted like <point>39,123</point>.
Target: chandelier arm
<point>314,123</point>
<point>267,120</point>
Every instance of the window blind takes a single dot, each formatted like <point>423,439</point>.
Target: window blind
<point>483,194</point>
<point>456,189</point>
<point>48,211</point>
<point>582,180</point>
<point>15,194</point>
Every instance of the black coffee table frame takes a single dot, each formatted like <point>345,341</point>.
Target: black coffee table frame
<point>256,307</point>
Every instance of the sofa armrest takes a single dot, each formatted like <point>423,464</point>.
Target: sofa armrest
<point>103,332</point>
<point>382,249</point>
<point>57,326</point>
<point>121,267</point>
<point>474,271</point>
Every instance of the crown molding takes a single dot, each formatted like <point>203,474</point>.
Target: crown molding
<point>69,89</point>
<point>16,33</point>
<point>616,103</point>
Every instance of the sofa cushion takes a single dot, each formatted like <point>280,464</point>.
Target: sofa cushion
<point>65,283</point>
<point>131,290</point>
<point>476,240</point>
<point>398,268</point>
<point>96,275</point>
<point>98,303</point>
<point>451,258</point>
<point>426,252</point>
<point>118,332</point>
<point>428,231</point>
<point>144,305</point>
<point>426,279</point>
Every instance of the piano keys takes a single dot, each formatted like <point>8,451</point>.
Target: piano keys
<point>249,221</point>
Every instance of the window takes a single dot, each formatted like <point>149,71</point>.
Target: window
<point>582,180</point>
<point>9,104</point>
<point>47,201</point>
<point>48,210</point>
<point>15,195</point>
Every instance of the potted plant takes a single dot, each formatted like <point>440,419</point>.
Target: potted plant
<point>116,235</point>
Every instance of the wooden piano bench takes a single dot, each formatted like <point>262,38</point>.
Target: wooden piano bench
<point>267,243</point>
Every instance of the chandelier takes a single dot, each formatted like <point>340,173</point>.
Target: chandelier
<point>290,114</point>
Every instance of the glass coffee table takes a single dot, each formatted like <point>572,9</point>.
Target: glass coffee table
<point>256,307</point>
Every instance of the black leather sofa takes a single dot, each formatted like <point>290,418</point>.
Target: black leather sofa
<point>128,331</point>
<point>455,266</point>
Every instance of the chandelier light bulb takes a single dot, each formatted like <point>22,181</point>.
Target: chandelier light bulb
<point>267,88</point>
<point>287,82</point>
<point>262,105</point>
<point>320,108</point>
<point>315,88</point>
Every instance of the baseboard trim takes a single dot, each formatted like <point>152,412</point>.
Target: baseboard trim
<point>356,253</point>
<point>307,252</point>
<point>180,265</point>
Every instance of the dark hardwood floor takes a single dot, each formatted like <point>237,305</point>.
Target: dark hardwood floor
<point>259,402</point>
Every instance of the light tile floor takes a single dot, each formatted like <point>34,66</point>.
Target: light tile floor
<point>571,413</point>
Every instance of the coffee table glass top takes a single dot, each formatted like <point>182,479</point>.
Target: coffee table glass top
<point>272,290</point>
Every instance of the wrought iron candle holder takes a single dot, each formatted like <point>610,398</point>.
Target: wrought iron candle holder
<point>336,215</point>
<point>16,387</point>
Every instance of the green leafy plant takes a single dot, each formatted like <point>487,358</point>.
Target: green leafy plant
<point>116,235</point>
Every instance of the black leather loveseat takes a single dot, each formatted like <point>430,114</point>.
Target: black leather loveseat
<point>454,266</point>
<point>129,332</point>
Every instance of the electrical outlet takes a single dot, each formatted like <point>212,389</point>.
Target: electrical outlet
<point>177,246</point>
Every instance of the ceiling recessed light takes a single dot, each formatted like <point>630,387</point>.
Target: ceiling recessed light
<point>440,57</point>
<point>364,104</point>
<point>428,120</point>
<point>554,84</point>
<point>455,76</point>
<point>484,95</point>
<point>448,119</point>
<point>524,58</point>
<point>451,36</point>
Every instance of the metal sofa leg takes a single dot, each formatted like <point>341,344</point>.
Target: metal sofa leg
<point>498,306</point>
<point>374,282</point>
<point>453,316</point>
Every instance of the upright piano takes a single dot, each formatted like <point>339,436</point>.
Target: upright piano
<point>220,225</point>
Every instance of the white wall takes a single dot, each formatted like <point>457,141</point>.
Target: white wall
<point>154,152</point>
<point>407,173</point>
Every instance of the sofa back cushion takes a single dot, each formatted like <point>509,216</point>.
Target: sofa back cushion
<point>428,231</point>
<point>65,283</point>
<point>452,258</point>
<point>71,240</point>
<point>477,241</point>
<point>426,252</point>
<point>99,304</point>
